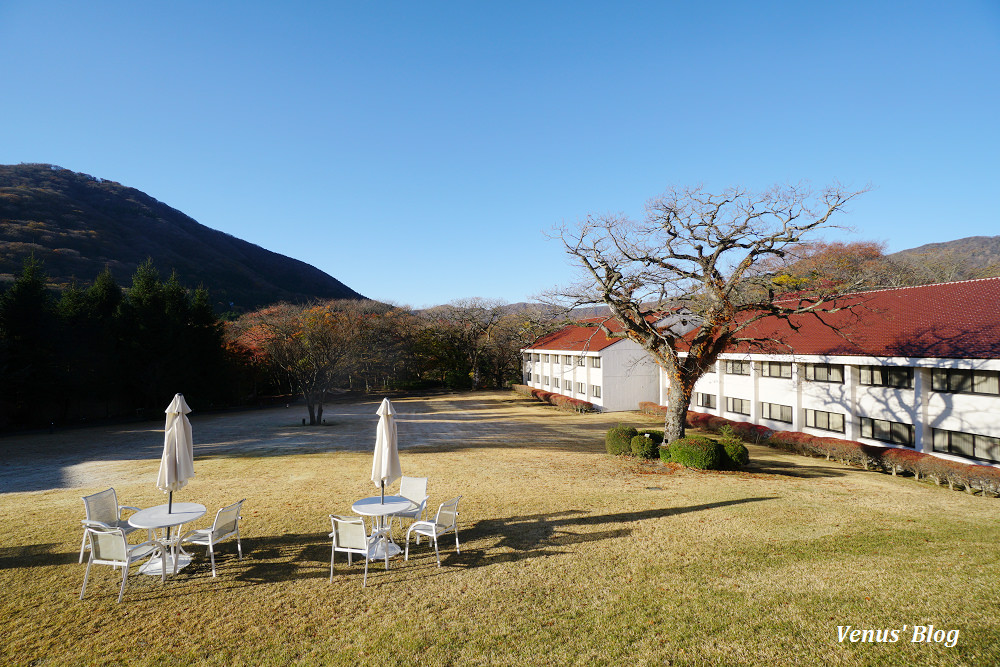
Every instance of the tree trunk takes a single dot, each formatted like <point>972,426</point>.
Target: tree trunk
<point>678,400</point>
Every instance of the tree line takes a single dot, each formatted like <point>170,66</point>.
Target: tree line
<point>108,351</point>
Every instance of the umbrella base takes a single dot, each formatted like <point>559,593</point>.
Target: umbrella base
<point>152,566</point>
<point>393,548</point>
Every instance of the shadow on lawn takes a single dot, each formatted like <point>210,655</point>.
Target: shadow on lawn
<point>539,535</point>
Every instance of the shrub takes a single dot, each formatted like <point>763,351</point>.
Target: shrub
<point>735,454</point>
<point>619,439</point>
<point>653,433</point>
<point>644,446</point>
<point>697,452</point>
<point>713,423</point>
<point>650,408</point>
<point>697,419</point>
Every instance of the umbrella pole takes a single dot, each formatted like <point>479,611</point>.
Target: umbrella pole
<point>383,492</point>
<point>170,502</point>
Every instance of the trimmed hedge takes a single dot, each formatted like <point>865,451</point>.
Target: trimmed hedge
<point>893,460</point>
<point>619,439</point>
<point>697,451</point>
<point>558,400</point>
<point>644,446</point>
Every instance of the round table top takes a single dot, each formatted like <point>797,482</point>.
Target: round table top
<point>157,517</point>
<point>375,507</point>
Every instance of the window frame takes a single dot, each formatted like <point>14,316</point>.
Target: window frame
<point>766,369</point>
<point>731,364</point>
<point>813,371</point>
<point>811,416</point>
<point>766,410</point>
<point>883,430</point>
<point>885,378</point>
<point>731,405</point>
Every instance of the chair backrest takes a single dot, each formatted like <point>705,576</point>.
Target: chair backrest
<point>413,488</point>
<point>227,518</point>
<point>349,532</point>
<point>108,545</point>
<point>448,513</point>
<point>102,506</point>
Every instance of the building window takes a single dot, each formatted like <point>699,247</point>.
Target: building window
<point>710,368</point>
<point>581,388</point>
<point>545,379</point>
<point>595,362</point>
<point>898,377</point>
<point>567,360</point>
<point>966,444</point>
<point>529,376</point>
<point>545,357</point>
<point>826,421</point>
<point>740,406</point>
<point>555,383</point>
<point>595,391</point>
<point>705,400</point>
<point>887,431</point>
<point>962,381</point>
<point>775,412</point>
<point>825,372</point>
<point>537,357</point>
<point>776,369</point>
<point>735,367</point>
<point>580,361</point>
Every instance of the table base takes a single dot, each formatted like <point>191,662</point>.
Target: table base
<point>393,549</point>
<point>152,567</point>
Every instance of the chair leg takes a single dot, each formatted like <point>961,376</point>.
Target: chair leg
<point>83,545</point>
<point>364,582</point>
<point>436,552</point>
<point>457,549</point>
<point>333,554</point>
<point>211,553</point>
<point>121,593</point>
<point>239,545</point>
<point>85,575</point>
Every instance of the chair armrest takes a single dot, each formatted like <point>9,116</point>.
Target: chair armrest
<point>93,523</point>
<point>126,507</point>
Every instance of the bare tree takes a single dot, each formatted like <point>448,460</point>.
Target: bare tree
<point>704,252</point>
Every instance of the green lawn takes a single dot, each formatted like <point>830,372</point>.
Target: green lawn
<point>568,556</point>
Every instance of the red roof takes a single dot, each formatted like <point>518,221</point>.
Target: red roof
<point>959,320</point>
<point>579,337</point>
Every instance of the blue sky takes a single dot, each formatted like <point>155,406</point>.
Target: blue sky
<point>418,151</point>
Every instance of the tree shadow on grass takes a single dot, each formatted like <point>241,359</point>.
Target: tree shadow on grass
<point>790,469</point>
<point>37,555</point>
<point>539,535</point>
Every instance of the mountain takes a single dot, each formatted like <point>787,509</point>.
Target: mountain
<point>78,224</point>
<point>968,258</point>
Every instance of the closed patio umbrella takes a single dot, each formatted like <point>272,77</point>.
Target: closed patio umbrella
<point>177,463</point>
<point>385,466</point>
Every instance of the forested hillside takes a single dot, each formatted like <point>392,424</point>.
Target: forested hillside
<point>77,225</point>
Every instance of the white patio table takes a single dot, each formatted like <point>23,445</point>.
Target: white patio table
<point>157,518</point>
<point>379,509</point>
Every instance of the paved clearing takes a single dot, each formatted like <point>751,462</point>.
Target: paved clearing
<point>100,456</point>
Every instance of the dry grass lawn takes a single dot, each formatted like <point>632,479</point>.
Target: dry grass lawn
<point>568,556</point>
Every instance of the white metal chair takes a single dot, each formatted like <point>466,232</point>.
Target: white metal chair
<point>103,511</point>
<point>446,519</point>
<point>413,489</point>
<point>349,536</point>
<point>108,547</point>
<point>226,524</point>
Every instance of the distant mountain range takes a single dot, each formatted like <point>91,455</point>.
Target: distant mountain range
<point>78,224</point>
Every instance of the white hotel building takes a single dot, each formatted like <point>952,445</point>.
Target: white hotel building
<point>915,367</point>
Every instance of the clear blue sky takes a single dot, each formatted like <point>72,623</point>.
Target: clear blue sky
<point>417,151</point>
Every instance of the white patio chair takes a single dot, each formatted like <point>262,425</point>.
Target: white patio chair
<point>413,489</point>
<point>103,511</point>
<point>446,519</point>
<point>226,524</point>
<point>108,547</point>
<point>349,536</point>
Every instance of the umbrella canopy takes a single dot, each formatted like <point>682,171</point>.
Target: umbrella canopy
<point>177,463</point>
<point>385,466</point>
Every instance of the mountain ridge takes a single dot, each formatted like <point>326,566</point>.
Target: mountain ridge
<point>79,224</point>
